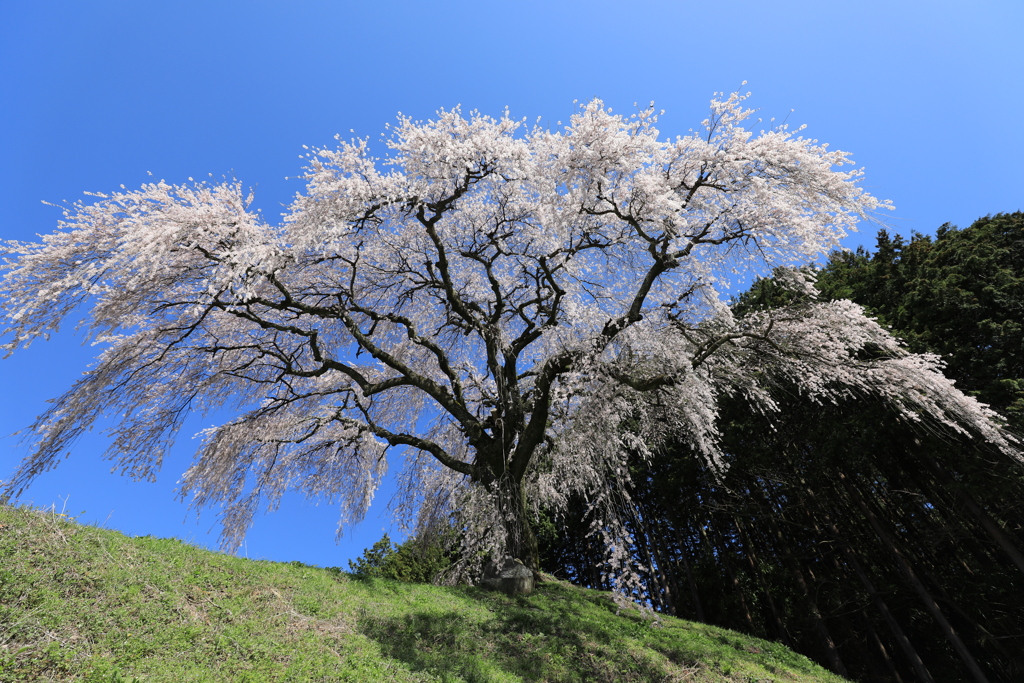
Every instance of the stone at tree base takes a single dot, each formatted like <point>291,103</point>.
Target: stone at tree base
<point>510,576</point>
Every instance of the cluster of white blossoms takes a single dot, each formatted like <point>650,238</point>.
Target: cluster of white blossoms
<point>498,300</point>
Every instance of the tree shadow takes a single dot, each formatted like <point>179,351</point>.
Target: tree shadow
<point>541,637</point>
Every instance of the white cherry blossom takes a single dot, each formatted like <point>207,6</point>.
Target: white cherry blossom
<point>509,309</point>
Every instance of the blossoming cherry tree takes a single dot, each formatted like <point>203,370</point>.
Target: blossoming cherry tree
<point>507,309</point>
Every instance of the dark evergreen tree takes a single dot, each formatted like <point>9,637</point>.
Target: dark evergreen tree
<point>960,295</point>
<point>887,551</point>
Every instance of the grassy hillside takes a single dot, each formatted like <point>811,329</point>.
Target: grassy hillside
<point>79,603</point>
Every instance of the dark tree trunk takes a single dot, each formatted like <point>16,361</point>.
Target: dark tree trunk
<point>723,553</point>
<point>684,555</point>
<point>817,618</point>
<point>923,675</point>
<point>911,576</point>
<point>797,570</point>
<point>520,539</point>
<point>881,649</point>
<point>503,476</point>
<point>991,527</point>
<point>766,591</point>
<point>667,599</point>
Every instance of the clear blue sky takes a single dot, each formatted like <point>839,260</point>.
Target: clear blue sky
<point>926,94</point>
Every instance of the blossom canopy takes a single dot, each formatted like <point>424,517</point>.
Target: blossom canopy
<point>513,306</point>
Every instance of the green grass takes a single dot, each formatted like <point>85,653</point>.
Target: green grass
<point>79,603</point>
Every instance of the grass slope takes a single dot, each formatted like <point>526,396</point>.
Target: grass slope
<point>79,603</point>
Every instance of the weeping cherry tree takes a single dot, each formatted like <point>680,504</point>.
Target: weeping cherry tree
<point>506,309</point>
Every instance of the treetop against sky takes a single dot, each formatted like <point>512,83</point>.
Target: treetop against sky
<point>99,94</point>
<point>515,309</point>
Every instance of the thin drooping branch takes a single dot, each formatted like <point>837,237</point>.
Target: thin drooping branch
<point>513,308</point>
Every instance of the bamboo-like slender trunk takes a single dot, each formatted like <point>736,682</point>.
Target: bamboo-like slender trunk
<point>694,593</point>
<point>820,625</point>
<point>751,554</point>
<point>880,646</point>
<point>923,675</point>
<point>991,527</point>
<point>908,572</point>
<point>723,553</point>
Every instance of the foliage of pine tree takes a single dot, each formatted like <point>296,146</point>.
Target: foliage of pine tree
<point>416,560</point>
<point>960,295</point>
